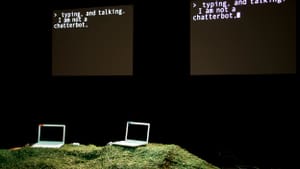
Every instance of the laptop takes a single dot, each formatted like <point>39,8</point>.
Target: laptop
<point>137,134</point>
<point>50,136</point>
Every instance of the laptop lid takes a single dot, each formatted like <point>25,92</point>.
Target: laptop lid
<point>138,131</point>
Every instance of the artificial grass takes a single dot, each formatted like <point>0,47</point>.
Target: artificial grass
<point>151,156</point>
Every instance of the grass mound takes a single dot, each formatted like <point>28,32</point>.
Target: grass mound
<point>152,156</point>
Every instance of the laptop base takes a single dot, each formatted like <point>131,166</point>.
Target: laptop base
<point>130,143</point>
<point>48,144</point>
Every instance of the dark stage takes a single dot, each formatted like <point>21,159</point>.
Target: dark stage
<point>225,119</point>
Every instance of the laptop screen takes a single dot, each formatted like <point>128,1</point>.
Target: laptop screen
<point>51,133</point>
<point>137,132</point>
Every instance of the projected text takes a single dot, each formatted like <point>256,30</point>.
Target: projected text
<point>224,10</point>
<point>79,19</point>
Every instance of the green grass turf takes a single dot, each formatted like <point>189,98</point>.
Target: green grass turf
<point>152,156</point>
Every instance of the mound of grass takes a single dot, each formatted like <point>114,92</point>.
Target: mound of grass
<point>152,156</point>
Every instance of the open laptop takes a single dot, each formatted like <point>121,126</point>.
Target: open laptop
<point>137,134</point>
<point>50,136</point>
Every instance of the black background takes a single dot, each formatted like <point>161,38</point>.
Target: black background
<point>248,118</point>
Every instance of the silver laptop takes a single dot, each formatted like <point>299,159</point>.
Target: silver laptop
<point>134,138</point>
<point>51,136</point>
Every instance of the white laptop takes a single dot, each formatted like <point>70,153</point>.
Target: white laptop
<point>137,134</point>
<point>50,136</point>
